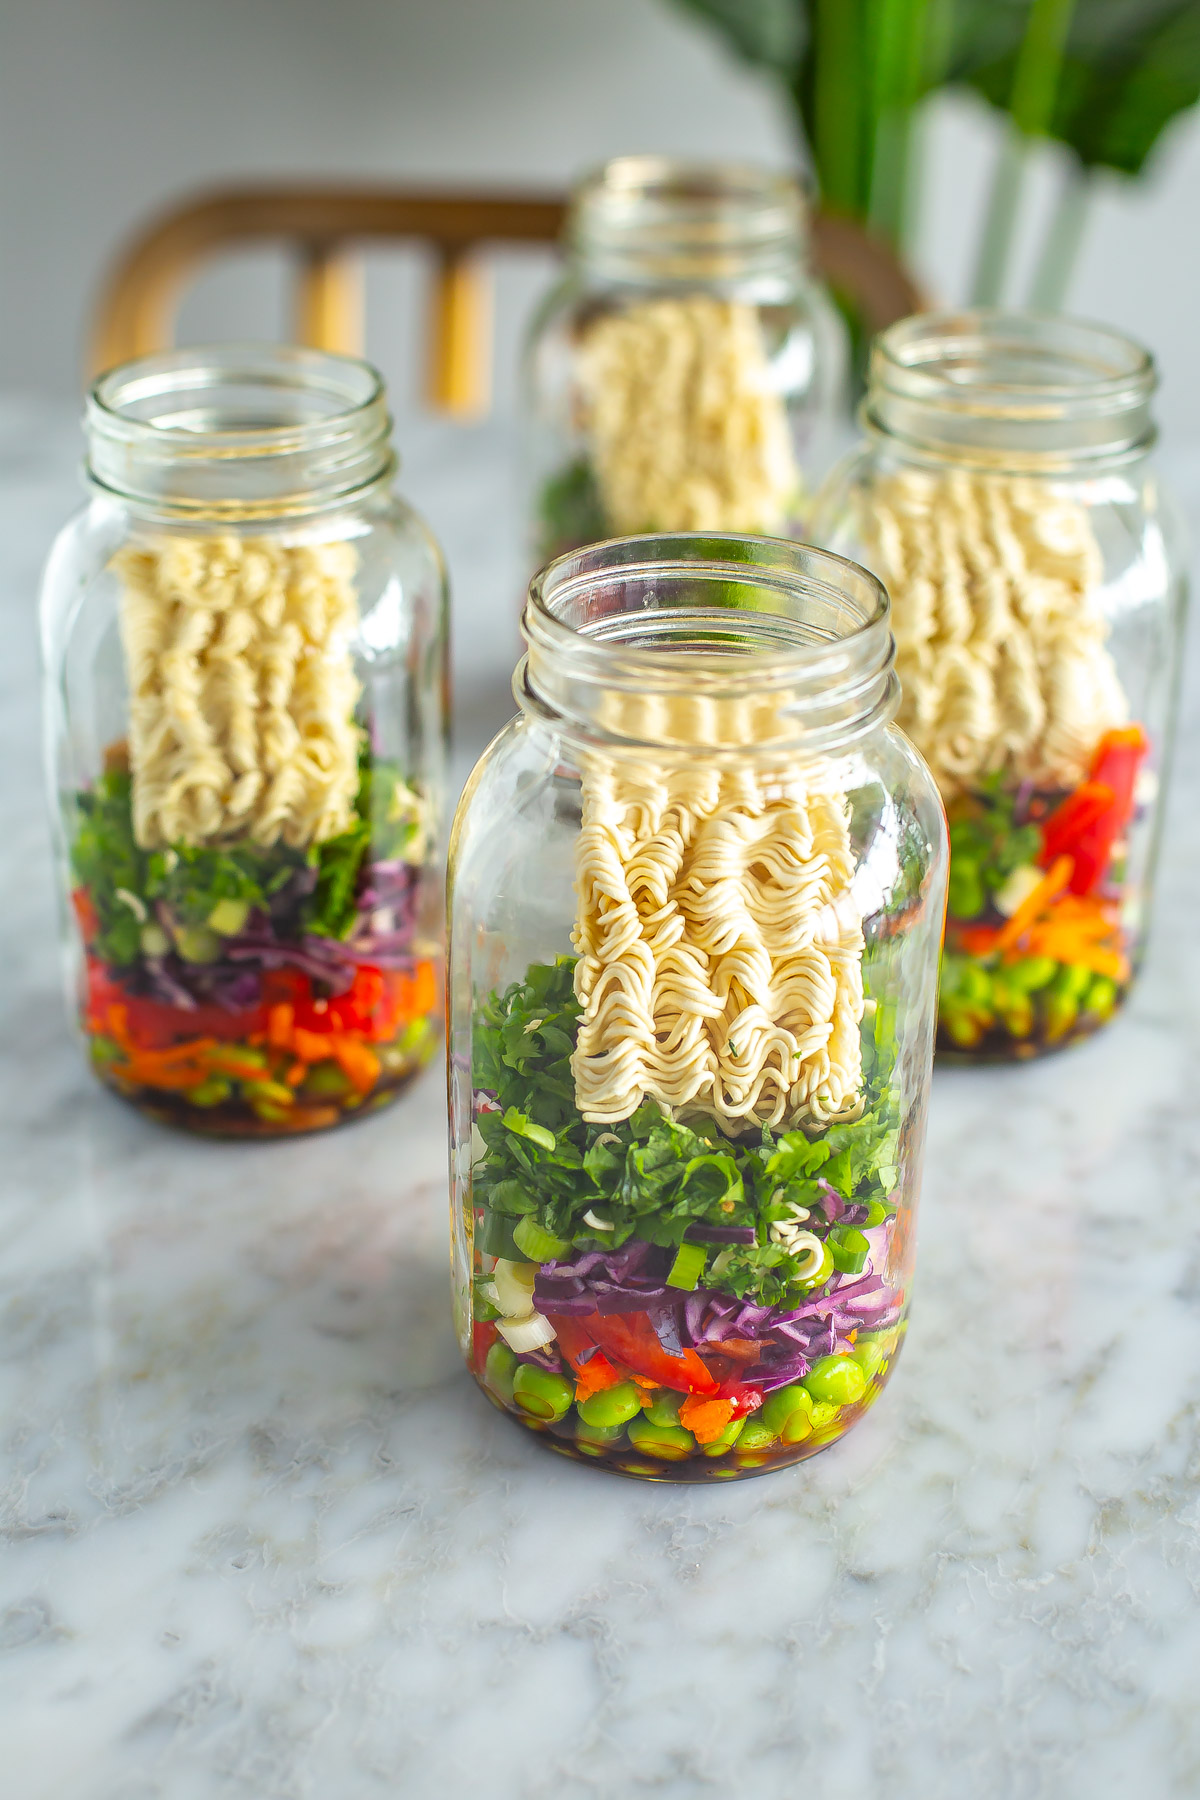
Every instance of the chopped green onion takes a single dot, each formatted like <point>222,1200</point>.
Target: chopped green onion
<point>688,1266</point>
<point>538,1245</point>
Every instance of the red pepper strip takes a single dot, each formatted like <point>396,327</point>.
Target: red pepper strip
<point>484,1335</point>
<point>1119,755</point>
<point>630,1339</point>
<point>1087,824</point>
<point>592,1369</point>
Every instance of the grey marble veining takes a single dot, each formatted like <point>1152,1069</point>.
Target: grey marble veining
<point>264,1539</point>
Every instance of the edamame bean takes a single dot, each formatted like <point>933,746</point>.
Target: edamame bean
<point>721,1446</point>
<point>670,1443</point>
<point>597,1437</point>
<point>612,1407</point>
<point>788,1413</point>
<point>836,1379</point>
<point>664,1408</point>
<point>542,1393</point>
<point>499,1370</point>
<point>756,1434</point>
<point>1101,998</point>
<point>870,1355</point>
<point>1031,973</point>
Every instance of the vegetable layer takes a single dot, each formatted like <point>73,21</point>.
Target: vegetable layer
<point>1037,952</point>
<point>651,1289</point>
<point>247,989</point>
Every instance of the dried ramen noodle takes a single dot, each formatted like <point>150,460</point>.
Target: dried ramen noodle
<point>242,689</point>
<point>720,949</point>
<point>1000,642</point>
<point>686,431</point>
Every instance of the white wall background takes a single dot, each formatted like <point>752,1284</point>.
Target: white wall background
<point>109,108</point>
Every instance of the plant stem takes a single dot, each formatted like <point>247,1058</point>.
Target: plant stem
<point>994,246</point>
<point>897,39</point>
<point>1031,108</point>
<point>839,94</point>
<point>1060,246</point>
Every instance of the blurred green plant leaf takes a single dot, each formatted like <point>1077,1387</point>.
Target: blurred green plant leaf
<point>1129,68</point>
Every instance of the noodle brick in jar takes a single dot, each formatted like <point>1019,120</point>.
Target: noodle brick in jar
<point>244,641</point>
<point>1005,496</point>
<point>696,900</point>
<point>688,373</point>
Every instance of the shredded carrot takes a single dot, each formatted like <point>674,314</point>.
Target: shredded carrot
<point>593,1376</point>
<point>279,1024</point>
<point>357,1062</point>
<point>704,1417</point>
<point>1030,910</point>
<point>296,1074</point>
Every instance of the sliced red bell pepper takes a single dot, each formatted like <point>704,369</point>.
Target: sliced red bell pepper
<point>153,1025</point>
<point>1087,824</point>
<point>483,1335</point>
<point>1119,756</point>
<point>630,1339</point>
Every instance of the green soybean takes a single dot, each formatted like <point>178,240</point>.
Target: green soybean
<point>542,1393</point>
<point>598,1437</point>
<point>1101,997</point>
<point>757,1434</point>
<point>1031,973</point>
<point>836,1379</point>
<point>788,1413</point>
<point>612,1407</point>
<point>823,1413</point>
<point>664,1408</point>
<point>670,1443</point>
<point>870,1355</point>
<point>499,1370</point>
<point>1072,981</point>
<point>721,1446</point>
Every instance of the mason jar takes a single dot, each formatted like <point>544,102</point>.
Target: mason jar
<point>688,373</point>
<point>696,902</point>
<point>244,638</point>
<point>1004,493</point>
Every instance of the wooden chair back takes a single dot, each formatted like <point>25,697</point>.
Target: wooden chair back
<point>327,227</point>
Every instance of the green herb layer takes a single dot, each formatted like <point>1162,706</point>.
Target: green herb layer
<point>650,1176</point>
<point>107,861</point>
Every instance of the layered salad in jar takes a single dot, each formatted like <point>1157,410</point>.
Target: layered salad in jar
<point>1011,692</point>
<point>690,1163</point>
<point>251,879</point>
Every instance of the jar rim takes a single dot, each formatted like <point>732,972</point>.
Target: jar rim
<point>251,427</point>
<point>992,383</point>
<point>811,641</point>
<point>686,216</point>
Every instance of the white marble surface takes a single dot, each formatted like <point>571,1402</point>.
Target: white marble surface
<point>264,1539</point>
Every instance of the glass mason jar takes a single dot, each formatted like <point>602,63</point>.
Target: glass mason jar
<point>688,374</point>
<point>696,903</point>
<point>1005,497</point>
<point>244,639</point>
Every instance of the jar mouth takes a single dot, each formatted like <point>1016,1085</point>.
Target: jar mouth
<point>676,218</point>
<point>708,640</point>
<point>239,428</point>
<point>1010,387</point>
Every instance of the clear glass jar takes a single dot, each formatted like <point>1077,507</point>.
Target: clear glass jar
<point>1004,495</point>
<point>244,638</point>
<point>688,374</point>
<point>696,902</point>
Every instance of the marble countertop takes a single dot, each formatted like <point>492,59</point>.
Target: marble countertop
<point>264,1539</point>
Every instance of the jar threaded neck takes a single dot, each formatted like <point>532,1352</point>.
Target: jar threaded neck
<point>708,641</point>
<point>238,431</point>
<point>1010,390</point>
